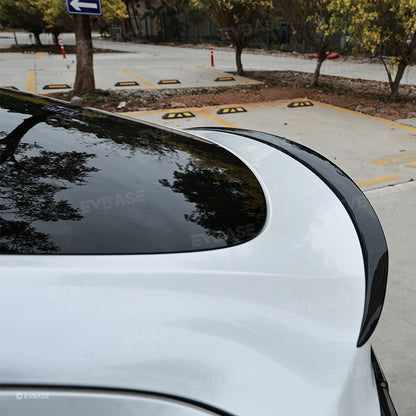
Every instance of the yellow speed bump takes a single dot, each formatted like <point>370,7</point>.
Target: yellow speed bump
<point>56,86</point>
<point>220,79</point>
<point>126,84</point>
<point>231,110</point>
<point>181,114</point>
<point>169,81</point>
<point>296,104</point>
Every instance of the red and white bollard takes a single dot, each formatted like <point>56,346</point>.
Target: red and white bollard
<point>212,55</point>
<point>61,43</point>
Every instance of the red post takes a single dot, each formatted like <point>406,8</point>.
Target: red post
<point>53,39</point>
<point>62,47</point>
<point>15,38</point>
<point>212,55</point>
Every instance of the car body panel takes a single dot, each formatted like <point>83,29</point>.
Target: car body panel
<point>269,326</point>
<point>87,402</point>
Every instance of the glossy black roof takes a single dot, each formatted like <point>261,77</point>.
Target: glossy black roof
<point>78,181</point>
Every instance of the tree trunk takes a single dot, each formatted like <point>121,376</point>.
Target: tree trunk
<point>37,39</point>
<point>238,52</point>
<point>321,59</point>
<point>394,86</point>
<point>84,78</point>
<point>56,40</point>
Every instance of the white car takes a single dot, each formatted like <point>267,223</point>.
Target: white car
<point>148,271</point>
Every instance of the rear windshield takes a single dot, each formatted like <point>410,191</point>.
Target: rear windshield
<point>75,181</point>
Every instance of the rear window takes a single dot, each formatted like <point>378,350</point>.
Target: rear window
<point>75,181</point>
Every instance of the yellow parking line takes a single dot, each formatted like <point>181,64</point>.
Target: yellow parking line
<point>247,81</point>
<point>31,83</point>
<point>6,45</point>
<point>217,119</point>
<point>42,55</point>
<point>138,78</point>
<point>356,113</point>
<point>379,180</point>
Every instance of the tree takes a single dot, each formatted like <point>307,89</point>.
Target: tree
<point>377,25</point>
<point>240,20</point>
<point>24,14</point>
<point>312,19</point>
<point>56,18</point>
<point>84,77</point>
<point>114,11</point>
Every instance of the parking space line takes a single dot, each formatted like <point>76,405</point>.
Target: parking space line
<point>247,81</point>
<point>379,180</point>
<point>6,45</point>
<point>42,55</point>
<point>31,83</point>
<point>138,78</point>
<point>216,119</point>
<point>356,113</point>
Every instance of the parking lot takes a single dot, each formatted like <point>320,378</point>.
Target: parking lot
<point>41,73</point>
<point>379,155</point>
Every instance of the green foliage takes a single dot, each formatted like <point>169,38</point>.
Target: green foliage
<point>372,23</point>
<point>37,16</point>
<point>55,16</point>
<point>24,14</point>
<point>381,27</point>
<point>113,12</point>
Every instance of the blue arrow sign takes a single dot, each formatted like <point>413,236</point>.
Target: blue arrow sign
<point>92,7</point>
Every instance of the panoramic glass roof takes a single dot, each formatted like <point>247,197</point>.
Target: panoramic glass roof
<point>76,181</point>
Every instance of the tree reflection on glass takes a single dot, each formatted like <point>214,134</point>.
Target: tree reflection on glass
<point>31,177</point>
<point>229,202</point>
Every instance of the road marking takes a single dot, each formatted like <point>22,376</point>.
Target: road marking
<point>31,82</point>
<point>413,164</point>
<point>6,45</point>
<point>356,113</point>
<point>394,160</point>
<point>247,81</point>
<point>140,79</point>
<point>379,180</point>
<point>217,119</point>
<point>42,55</point>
